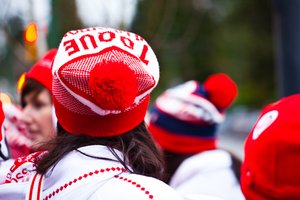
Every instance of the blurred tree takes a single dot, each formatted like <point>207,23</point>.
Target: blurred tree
<point>12,61</point>
<point>287,30</point>
<point>13,20</point>
<point>196,38</point>
<point>64,18</point>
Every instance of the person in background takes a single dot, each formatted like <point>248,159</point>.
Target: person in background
<point>4,150</point>
<point>5,161</point>
<point>36,101</point>
<point>16,134</point>
<point>270,169</point>
<point>184,122</point>
<point>27,128</point>
<point>101,89</point>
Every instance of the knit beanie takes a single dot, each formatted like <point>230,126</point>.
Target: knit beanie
<point>184,118</point>
<point>102,81</point>
<point>270,169</point>
<point>41,70</point>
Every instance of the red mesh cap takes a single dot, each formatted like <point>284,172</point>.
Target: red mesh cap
<point>41,70</point>
<point>272,153</point>
<point>102,81</point>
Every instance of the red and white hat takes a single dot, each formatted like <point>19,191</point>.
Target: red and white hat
<point>271,166</point>
<point>41,70</point>
<point>184,118</point>
<point>102,81</point>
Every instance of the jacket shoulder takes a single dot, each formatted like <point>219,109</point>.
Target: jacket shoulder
<point>135,187</point>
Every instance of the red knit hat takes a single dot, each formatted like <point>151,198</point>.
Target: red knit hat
<point>41,70</point>
<point>272,153</point>
<point>184,119</point>
<point>102,81</point>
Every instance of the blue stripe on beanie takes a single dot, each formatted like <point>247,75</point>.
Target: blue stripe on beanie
<point>180,127</point>
<point>201,91</point>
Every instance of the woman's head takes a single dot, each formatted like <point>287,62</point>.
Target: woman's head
<point>185,118</point>
<point>36,101</point>
<point>102,81</point>
<point>101,89</point>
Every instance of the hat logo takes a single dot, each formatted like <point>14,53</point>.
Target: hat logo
<point>264,122</point>
<point>93,40</point>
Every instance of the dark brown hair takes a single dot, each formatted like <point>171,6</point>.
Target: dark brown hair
<point>173,161</point>
<point>139,150</point>
<point>31,86</point>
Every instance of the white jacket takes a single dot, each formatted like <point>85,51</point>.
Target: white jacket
<point>207,173</point>
<point>77,176</point>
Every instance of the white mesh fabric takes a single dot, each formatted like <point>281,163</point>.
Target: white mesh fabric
<point>75,76</point>
<point>67,100</point>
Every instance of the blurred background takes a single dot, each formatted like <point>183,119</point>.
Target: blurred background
<point>255,42</point>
